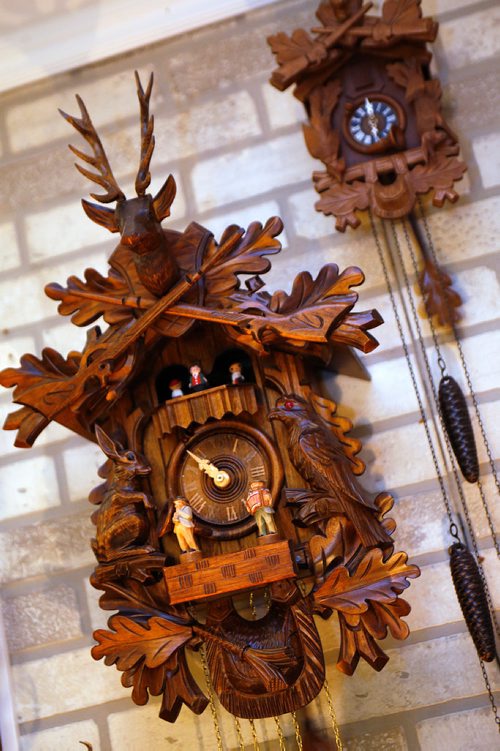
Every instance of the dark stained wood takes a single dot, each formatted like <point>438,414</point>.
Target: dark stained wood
<point>232,573</point>
<point>169,300</point>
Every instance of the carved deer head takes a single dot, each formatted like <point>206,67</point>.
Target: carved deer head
<point>138,219</point>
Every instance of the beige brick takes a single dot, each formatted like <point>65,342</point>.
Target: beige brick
<point>473,101</point>
<point>42,617</point>
<point>63,737</point>
<point>390,740</point>
<point>31,284</point>
<point>81,464</point>
<point>27,486</point>
<point>37,121</point>
<point>432,598</point>
<point>417,676</point>
<point>250,171</point>
<point>433,7</point>
<point>471,39</point>
<point>63,229</point>
<point>46,547</point>
<point>474,729</point>
<point>397,457</point>
<point>487,152</point>
<point>282,107</point>
<point>466,231</point>
<point>98,616</point>
<point>259,212</point>
<point>65,336</point>
<point>63,683</point>
<point>308,222</point>
<point>8,242</point>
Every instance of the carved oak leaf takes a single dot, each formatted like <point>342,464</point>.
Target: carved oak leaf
<point>289,48</point>
<point>342,201</point>
<point>76,298</point>
<point>373,580</point>
<point>439,173</point>
<point>440,299</point>
<point>248,256</point>
<point>130,642</point>
<point>401,11</point>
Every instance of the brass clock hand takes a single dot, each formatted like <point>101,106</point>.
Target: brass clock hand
<point>219,476</point>
<point>372,119</point>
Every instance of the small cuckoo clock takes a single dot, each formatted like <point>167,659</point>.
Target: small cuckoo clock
<point>227,473</point>
<point>374,111</point>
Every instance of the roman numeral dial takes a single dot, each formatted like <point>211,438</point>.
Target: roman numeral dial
<point>241,454</point>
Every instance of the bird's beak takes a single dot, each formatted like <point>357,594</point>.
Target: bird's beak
<point>275,414</point>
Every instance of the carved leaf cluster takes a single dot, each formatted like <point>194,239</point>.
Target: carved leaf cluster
<point>248,256</point>
<point>33,371</point>
<point>340,426</point>
<point>86,310</point>
<point>342,201</point>
<point>401,11</point>
<point>440,299</point>
<point>328,288</point>
<point>287,48</point>
<point>321,139</point>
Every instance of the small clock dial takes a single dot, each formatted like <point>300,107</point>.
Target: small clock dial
<point>372,121</point>
<point>373,124</point>
<point>214,469</point>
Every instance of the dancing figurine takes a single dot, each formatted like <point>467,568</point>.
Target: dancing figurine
<point>259,504</point>
<point>184,525</point>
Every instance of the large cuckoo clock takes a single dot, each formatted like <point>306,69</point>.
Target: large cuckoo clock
<point>227,473</point>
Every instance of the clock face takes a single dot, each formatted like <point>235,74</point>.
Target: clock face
<point>235,455</point>
<point>371,122</point>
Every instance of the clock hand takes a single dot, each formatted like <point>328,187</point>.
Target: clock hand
<point>372,119</point>
<point>219,476</point>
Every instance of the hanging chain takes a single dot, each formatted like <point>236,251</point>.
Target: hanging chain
<point>491,461</point>
<point>432,384</point>
<point>211,699</point>
<point>453,526</point>
<point>281,737</point>
<point>296,727</point>
<point>239,734</point>
<point>333,716</point>
<point>423,416</point>
<point>254,735</point>
<point>471,390</point>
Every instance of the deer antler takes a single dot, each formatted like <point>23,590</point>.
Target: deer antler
<point>99,160</point>
<point>147,138</point>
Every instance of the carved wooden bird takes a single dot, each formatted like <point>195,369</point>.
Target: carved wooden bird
<point>317,454</point>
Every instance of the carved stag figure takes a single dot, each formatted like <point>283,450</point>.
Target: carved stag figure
<point>317,454</point>
<point>122,525</point>
<point>138,220</point>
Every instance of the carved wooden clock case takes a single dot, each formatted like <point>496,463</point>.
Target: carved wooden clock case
<point>172,299</point>
<point>374,111</point>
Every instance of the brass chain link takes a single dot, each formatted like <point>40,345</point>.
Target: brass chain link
<point>333,716</point>
<point>281,737</point>
<point>239,734</point>
<point>211,699</point>
<point>296,727</point>
<point>254,735</point>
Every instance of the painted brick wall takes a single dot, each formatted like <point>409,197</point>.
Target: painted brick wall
<point>236,149</point>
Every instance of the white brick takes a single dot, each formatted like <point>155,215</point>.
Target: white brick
<point>10,257</point>
<point>432,598</point>
<point>65,337</point>
<point>471,39</point>
<point>81,464</point>
<point>37,121</point>
<point>63,229</point>
<point>251,171</point>
<point>30,286</point>
<point>473,730</point>
<point>63,737</point>
<point>487,152</point>
<point>27,486</point>
<point>12,347</point>
<point>433,7</point>
<point>308,222</point>
<point>98,616</point>
<point>259,212</point>
<point>63,683</point>
<point>282,107</point>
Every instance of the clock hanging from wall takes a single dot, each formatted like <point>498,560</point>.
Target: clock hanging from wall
<point>227,475</point>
